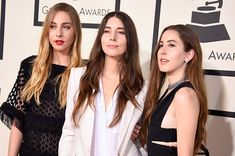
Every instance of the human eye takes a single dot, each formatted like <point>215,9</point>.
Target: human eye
<point>122,32</point>
<point>106,30</point>
<point>67,27</point>
<point>171,45</point>
<point>52,26</point>
<point>160,45</point>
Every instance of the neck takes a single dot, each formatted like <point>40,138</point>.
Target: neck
<point>111,67</point>
<point>110,74</point>
<point>59,58</point>
<point>175,84</point>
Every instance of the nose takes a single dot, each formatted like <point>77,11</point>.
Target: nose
<point>59,32</point>
<point>163,50</point>
<point>113,36</point>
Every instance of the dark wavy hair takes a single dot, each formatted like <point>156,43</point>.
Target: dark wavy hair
<point>195,75</point>
<point>131,78</point>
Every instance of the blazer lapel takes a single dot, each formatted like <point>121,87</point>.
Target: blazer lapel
<point>89,122</point>
<point>125,122</point>
<point>87,125</point>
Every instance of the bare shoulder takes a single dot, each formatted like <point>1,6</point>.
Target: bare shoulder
<point>186,97</point>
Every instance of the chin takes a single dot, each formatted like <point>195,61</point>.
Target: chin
<point>163,70</point>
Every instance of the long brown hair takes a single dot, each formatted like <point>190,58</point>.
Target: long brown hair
<point>131,78</point>
<point>42,63</point>
<point>195,75</point>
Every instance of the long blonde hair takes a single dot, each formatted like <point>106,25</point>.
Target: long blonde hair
<point>42,64</point>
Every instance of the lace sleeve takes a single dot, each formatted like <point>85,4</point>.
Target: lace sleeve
<point>13,110</point>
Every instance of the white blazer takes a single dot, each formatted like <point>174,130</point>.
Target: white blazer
<point>76,141</point>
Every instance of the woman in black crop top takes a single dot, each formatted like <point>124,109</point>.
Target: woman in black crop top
<point>174,123</point>
<point>35,108</point>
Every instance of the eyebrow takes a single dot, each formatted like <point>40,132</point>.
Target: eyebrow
<point>170,41</point>
<point>117,27</point>
<point>62,23</point>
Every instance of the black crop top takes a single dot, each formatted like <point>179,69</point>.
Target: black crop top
<point>156,132</point>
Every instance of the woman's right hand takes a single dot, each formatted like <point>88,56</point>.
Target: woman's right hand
<point>136,132</point>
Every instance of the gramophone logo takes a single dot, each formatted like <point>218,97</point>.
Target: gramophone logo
<point>205,21</point>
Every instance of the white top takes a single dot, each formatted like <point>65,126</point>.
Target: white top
<point>105,139</point>
<point>78,140</point>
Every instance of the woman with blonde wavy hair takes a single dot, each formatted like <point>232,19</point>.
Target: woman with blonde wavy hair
<point>35,108</point>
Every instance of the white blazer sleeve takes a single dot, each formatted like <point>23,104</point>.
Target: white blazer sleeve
<point>68,130</point>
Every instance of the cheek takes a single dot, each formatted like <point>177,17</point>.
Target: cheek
<point>104,39</point>
<point>124,47</point>
<point>181,58</point>
<point>102,42</point>
<point>51,33</point>
<point>71,38</point>
<point>50,37</point>
<point>123,40</point>
<point>178,60</point>
<point>124,44</point>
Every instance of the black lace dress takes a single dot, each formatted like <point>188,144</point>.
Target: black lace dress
<point>41,125</point>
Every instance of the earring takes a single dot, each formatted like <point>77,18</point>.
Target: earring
<point>126,55</point>
<point>186,61</point>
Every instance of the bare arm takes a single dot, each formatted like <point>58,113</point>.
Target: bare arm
<point>186,111</point>
<point>15,141</point>
<point>13,110</point>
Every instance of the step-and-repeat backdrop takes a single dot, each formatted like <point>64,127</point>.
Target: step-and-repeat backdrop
<point>20,30</point>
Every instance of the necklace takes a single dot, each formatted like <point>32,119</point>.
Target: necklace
<point>171,86</point>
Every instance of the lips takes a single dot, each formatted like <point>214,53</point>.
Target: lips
<point>112,46</point>
<point>163,61</point>
<point>59,42</point>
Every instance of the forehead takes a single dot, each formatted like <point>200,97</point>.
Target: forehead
<point>114,22</point>
<point>170,35</point>
<point>61,16</point>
